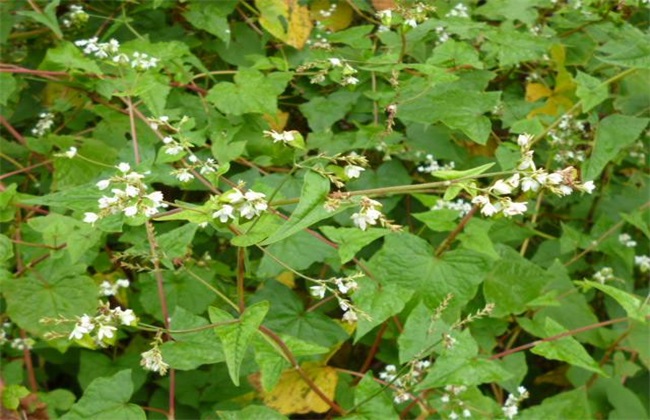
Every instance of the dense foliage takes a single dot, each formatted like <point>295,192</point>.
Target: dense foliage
<point>373,209</point>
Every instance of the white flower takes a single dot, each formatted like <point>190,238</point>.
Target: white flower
<point>510,411</point>
<point>564,190</point>
<point>167,140</point>
<point>444,398</point>
<point>350,316</point>
<point>523,140</point>
<point>152,360</point>
<point>103,184</point>
<point>253,196</point>
<point>156,197</point>
<point>224,213</point>
<point>131,211</point>
<point>126,317</point>
<point>318,291</point>
<point>247,211</point>
<point>234,196</point>
<point>453,415</point>
<point>81,328</point>
<point>90,217</point>
<point>123,283</point>
<point>105,331</point>
<point>501,187</point>
<point>480,200</point>
<point>173,149</point>
<point>335,62</point>
<point>107,289</point>
<point>193,158</point>
<point>587,187</point>
<point>132,191</point>
<point>283,137</point>
<point>124,167</point>
<point>643,262</point>
<point>71,152</point>
<point>529,184</point>
<point>626,240</point>
<point>353,171</point>
<point>512,208</point>
<point>361,220</point>
<point>184,175</point>
<point>555,178</point>
<point>467,413</point>
<point>350,80</point>
<point>527,161</point>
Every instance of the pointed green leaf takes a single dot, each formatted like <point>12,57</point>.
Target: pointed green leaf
<point>590,90</point>
<point>567,405</point>
<point>462,174</point>
<point>107,398</point>
<point>373,401</point>
<point>352,240</point>
<point>634,306</point>
<point>236,337</point>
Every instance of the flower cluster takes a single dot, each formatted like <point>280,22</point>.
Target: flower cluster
<point>132,200</point>
<point>236,203</point>
<point>22,343</point>
<point>340,287</point>
<point>77,17</point>
<point>402,383</point>
<point>44,124</point>
<point>99,330</point>
<point>511,407</point>
<point>320,41</point>
<point>643,262</point>
<point>626,240</point>
<point>285,137</point>
<point>152,360</point>
<point>442,34</point>
<point>459,10</point>
<point>369,214</point>
<point>460,205</point>
<point>431,165</point>
<point>604,275</point>
<point>564,139</point>
<point>111,49</point>
<point>70,153</point>
<point>453,402</point>
<point>107,288</point>
<point>326,14</point>
<point>528,179</point>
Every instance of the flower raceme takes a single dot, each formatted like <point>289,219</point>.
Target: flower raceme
<point>234,203</point>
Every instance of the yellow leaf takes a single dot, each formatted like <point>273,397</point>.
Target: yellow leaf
<point>553,106</point>
<point>287,20</point>
<point>277,122</point>
<point>334,20</point>
<point>288,279</point>
<point>292,395</point>
<point>536,91</point>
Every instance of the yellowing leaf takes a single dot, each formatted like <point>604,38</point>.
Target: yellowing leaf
<point>553,106</point>
<point>288,279</point>
<point>278,121</point>
<point>286,20</point>
<point>536,91</point>
<point>334,20</point>
<point>292,395</point>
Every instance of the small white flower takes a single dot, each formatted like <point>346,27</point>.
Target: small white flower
<point>167,140</point>
<point>247,211</point>
<point>105,331</point>
<point>132,191</point>
<point>107,289</point>
<point>643,262</point>
<point>126,317</point>
<point>587,187</point>
<point>317,291</point>
<point>103,184</point>
<point>350,80</point>
<point>501,187</point>
<point>350,316</point>
<point>467,413</point>
<point>514,208</point>
<point>131,211</point>
<point>529,184</point>
<point>253,196</point>
<point>234,196</point>
<point>193,158</point>
<point>335,62</point>
<point>555,178</point>
<point>123,283</point>
<point>453,415</point>
<point>353,171</point>
<point>124,167</point>
<point>445,398</point>
<point>173,149</point>
<point>81,328</point>
<point>523,140</point>
<point>90,217</point>
<point>152,360</point>
<point>184,175</point>
<point>224,213</point>
<point>71,152</point>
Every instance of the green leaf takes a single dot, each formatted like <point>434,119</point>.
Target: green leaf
<point>614,133</point>
<point>251,92</point>
<point>47,17</point>
<point>352,240</point>
<point>190,350</point>
<point>628,47</point>
<point>66,56</point>
<point>251,412</point>
<point>567,405</point>
<point>93,365</point>
<point>442,220</point>
<point>372,400</point>
<point>12,394</point>
<point>298,251</point>
<point>57,401</point>
<point>153,89</point>
<point>627,405</point>
<point>107,398</point>
<point>211,17</point>
<point>181,289</point>
<point>323,111</point>
<point>635,307</point>
<point>454,53</point>
<point>7,87</point>
<point>421,332</point>
<point>407,261</point>
<point>513,282</point>
<point>52,289</point>
<point>590,90</point>
<point>459,109</point>
<point>378,302</point>
<point>310,207</point>
<point>6,249</point>
<point>175,243</point>
<point>566,349</point>
<point>288,314</point>
<point>476,237</point>
<point>236,337</point>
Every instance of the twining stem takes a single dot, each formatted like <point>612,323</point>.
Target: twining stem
<point>147,327</point>
<point>134,133</point>
<point>153,247</point>
<point>559,336</point>
<point>294,362</point>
